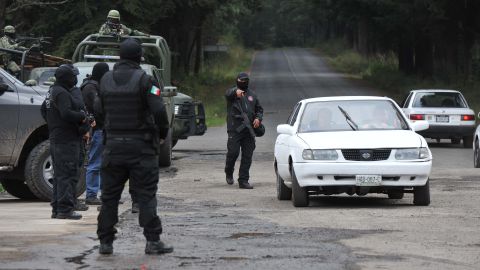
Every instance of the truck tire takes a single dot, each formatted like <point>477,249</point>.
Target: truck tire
<point>39,173</point>
<point>18,189</point>
<point>165,155</point>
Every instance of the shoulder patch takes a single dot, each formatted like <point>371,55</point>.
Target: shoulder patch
<point>155,90</point>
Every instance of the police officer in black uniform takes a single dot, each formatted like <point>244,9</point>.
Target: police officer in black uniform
<point>135,122</point>
<point>241,99</point>
<point>64,120</point>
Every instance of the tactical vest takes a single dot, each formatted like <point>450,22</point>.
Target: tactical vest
<point>89,81</point>
<point>125,108</point>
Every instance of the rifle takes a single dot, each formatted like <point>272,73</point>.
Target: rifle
<point>245,121</point>
<point>34,41</point>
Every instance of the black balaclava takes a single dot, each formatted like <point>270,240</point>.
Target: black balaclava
<point>66,75</point>
<point>99,69</point>
<point>131,49</point>
<point>11,35</point>
<point>243,83</point>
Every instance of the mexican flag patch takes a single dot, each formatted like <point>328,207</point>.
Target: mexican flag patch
<point>155,90</point>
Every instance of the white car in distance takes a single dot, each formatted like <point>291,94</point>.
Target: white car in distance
<point>353,145</point>
<point>446,111</point>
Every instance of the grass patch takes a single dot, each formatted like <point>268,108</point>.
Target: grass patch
<point>217,75</point>
<point>381,72</point>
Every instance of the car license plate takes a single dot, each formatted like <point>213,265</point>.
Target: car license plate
<point>368,180</point>
<point>442,119</point>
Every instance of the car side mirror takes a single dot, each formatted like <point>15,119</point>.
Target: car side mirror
<point>285,129</point>
<point>169,91</point>
<point>420,125</point>
<point>478,116</point>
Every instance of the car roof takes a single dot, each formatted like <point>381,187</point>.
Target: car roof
<point>435,90</point>
<point>342,98</point>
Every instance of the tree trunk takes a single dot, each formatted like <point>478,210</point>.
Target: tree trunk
<point>198,49</point>
<point>3,9</point>
<point>424,55</point>
<point>406,62</point>
<point>363,36</point>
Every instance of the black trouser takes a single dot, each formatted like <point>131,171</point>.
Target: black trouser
<point>65,164</point>
<point>136,161</point>
<point>236,141</point>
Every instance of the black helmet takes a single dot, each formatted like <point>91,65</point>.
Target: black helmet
<point>66,75</point>
<point>259,131</point>
<point>131,49</point>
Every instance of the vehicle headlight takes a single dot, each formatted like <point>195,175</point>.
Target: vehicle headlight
<point>412,153</point>
<point>309,154</point>
<point>176,109</point>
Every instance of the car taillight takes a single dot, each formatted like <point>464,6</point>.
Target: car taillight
<point>468,117</point>
<point>417,116</point>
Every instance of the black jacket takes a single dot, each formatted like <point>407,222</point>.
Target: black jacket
<point>90,91</point>
<point>154,103</point>
<point>61,111</point>
<point>250,105</point>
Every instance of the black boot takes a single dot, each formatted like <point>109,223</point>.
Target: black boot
<point>105,248</point>
<point>81,207</point>
<point>93,201</point>
<point>244,185</point>
<point>157,247</point>
<point>71,215</point>
<point>229,179</point>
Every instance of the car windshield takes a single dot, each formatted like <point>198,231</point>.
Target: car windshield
<point>351,115</point>
<point>438,100</point>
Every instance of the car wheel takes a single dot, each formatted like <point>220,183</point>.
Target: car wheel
<point>476,156</point>
<point>299,194</point>
<point>283,192</point>
<point>468,141</point>
<point>17,188</point>
<point>455,141</point>
<point>39,173</point>
<point>165,155</point>
<point>421,195</point>
<point>396,195</point>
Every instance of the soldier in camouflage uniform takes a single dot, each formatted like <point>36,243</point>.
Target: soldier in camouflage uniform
<point>114,27</point>
<point>8,42</point>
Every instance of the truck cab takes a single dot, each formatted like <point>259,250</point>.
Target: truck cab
<point>187,115</point>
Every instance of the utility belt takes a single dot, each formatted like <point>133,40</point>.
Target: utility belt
<point>126,137</point>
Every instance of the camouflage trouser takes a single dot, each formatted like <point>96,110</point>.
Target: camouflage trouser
<point>13,67</point>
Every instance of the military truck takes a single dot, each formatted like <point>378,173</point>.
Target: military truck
<point>26,169</point>
<point>187,117</point>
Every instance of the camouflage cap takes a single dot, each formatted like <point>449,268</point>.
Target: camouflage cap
<point>114,14</point>
<point>9,29</point>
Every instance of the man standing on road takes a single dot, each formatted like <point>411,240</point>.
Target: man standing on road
<point>135,122</point>
<point>64,124</point>
<point>90,90</point>
<point>241,99</point>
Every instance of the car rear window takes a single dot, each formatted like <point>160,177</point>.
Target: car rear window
<point>439,100</point>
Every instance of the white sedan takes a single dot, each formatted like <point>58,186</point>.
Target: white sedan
<point>353,145</point>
